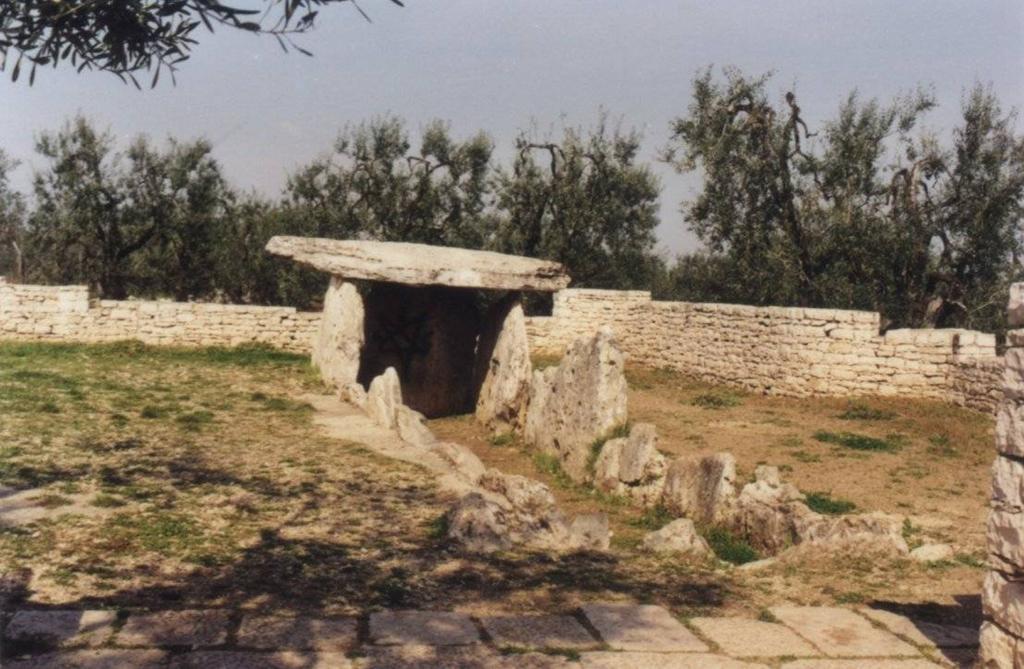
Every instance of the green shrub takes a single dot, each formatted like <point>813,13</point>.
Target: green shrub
<point>861,411</point>
<point>503,439</point>
<point>716,400</point>
<point>860,442</point>
<point>823,502</point>
<point>729,546</point>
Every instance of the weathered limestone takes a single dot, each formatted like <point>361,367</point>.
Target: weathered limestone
<point>781,350</point>
<point>578,402</point>
<point>384,405</point>
<point>841,633</point>
<point>1002,635</point>
<point>509,510</point>
<point>339,342</point>
<point>701,488</point>
<point>463,461</point>
<point>504,368</point>
<point>773,517</point>
<point>421,264</point>
<point>538,632</point>
<point>422,628</point>
<point>753,638</point>
<point>645,628</point>
<point>679,536</point>
<point>932,553</point>
<point>632,466</point>
<point>176,628</point>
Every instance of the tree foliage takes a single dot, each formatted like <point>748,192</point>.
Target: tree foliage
<point>864,213</point>
<point>138,221</point>
<point>126,37</point>
<point>587,202</point>
<point>12,221</point>
<point>374,186</point>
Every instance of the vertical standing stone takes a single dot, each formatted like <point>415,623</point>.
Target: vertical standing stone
<point>1002,638</point>
<point>579,402</point>
<point>339,342</point>
<point>503,367</point>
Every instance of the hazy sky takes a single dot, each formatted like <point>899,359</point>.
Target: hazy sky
<point>502,66</point>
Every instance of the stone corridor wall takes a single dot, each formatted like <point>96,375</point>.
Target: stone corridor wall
<point>65,313</point>
<point>1002,633</point>
<point>781,350</point>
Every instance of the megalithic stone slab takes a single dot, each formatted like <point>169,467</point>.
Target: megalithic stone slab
<point>421,264</point>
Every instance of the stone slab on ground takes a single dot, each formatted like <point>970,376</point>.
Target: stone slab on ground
<point>175,628</point>
<point>740,637</point>
<point>233,659</point>
<point>538,632</point>
<point>931,635</point>
<point>425,628</point>
<point>298,633</point>
<point>641,628</point>
<point>477,657</point>
<point>861,664</point>
<point>93,659</point>
<point>61,627</point>
<point>841,633</point>
<point>633,660</point>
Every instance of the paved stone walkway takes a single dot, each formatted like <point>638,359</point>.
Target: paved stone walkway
<point>598,636</point>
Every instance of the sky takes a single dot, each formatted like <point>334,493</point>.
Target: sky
<point>508,66</point>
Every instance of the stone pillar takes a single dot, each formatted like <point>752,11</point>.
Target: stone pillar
<point>1002,633</point>
<point>503,367</point>
<point>339,343</point>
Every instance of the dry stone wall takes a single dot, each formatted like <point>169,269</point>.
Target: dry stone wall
<point>1002,633</point>
<point>65,313</point>
<point>781,350</point>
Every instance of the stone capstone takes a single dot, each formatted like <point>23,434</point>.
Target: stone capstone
<point>632,466</point>
<point>421,264</point>
<point>580,401</point>
<point>339,342</point>
<point>701,488</point>
<point>504,367</point>
<point>679,536</point>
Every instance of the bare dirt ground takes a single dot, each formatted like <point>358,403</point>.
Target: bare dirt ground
<point>165,478</point>
<point>172,478</point>
<point>920,459</point>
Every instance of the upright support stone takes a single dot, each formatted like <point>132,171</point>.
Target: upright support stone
<point>339,343</point>
<point>503,367</point>
<point>578,402</point>
<point>1002,638</point>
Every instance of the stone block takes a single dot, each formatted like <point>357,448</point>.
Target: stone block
<point>922,633</point>
<point>642,627</point>
<point>175,628</point>
<point>1008,485</point>
<point>425,628</point>
<point>538,632</point>
<point>1010,427</point>
<point>841,633</point>
<point>235,659</point>
<point>298,633</point>
<point>1003,602</point>
<point>93,659</point>
<point>1006,537</point>
<point>60,627</point>
<point>999,650</point>
<point>636,660</point>
<point>740,637</point>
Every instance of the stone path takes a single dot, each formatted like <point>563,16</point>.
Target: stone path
<point>598,636</point>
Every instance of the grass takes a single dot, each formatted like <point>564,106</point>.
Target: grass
<point>860,442</point>
<point>729,546</point>
<point>823,502</point>
<point>861,411</point>
<point>653,518</point>
<point>941,446</point>
<point>716,400</point>
<point>503,439</point>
